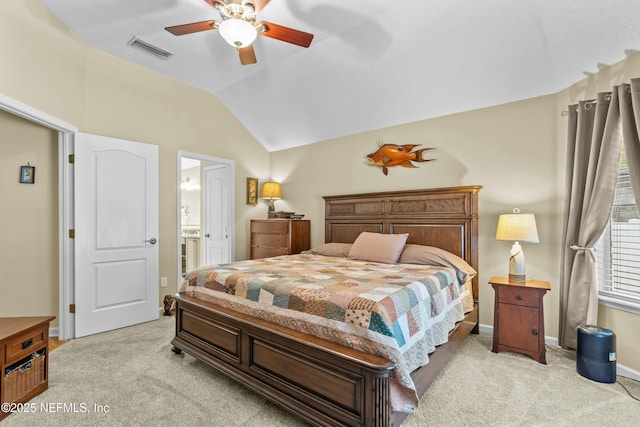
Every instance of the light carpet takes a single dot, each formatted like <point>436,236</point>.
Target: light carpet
<point>130,377</point>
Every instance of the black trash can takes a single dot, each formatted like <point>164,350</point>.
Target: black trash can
<point>596,353</point>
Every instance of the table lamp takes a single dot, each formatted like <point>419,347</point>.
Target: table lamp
<point>271,191</point>
<point>518,228</point>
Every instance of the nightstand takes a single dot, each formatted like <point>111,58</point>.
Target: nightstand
<point>518,317</point>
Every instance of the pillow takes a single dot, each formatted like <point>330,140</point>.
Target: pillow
<point>331,249</point>
<point>378,247</point>
<point>430,255</point>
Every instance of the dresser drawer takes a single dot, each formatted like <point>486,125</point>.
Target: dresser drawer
<point>270,240</point>
<point>275,237</point>
<point>518,295</point>
<point>260,252</point>
<point>25,344</point>
<point>273,226</point>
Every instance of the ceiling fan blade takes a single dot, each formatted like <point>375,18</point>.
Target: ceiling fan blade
<point>195,27</point>
<point>258,4</point>
<point>286,34</point>
<point>247,55</point>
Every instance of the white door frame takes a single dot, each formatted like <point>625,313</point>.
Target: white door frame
<point>204,158</point>
<point>65,204</point>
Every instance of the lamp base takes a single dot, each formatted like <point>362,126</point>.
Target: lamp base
<point>517,278</point>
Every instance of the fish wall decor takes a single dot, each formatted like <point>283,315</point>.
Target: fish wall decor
<point>396,155</point>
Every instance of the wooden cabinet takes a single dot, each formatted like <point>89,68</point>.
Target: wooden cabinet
<point>24,358</point>
<point>518,317</point>
<point>274,237</point>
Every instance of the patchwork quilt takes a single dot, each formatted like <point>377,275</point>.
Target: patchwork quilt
<point>399,311</point>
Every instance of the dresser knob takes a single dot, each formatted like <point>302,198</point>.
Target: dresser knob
<point>535,332</point>
<point>518,298</point>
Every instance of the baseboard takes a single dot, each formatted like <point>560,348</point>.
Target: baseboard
<point>621,370</point>
<point>486,329</point>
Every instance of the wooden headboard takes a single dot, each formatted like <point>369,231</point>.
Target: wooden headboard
<point>443,217</point>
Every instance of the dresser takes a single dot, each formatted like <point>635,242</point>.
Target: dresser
<point>24,359</point>
<point>518,317</point>
<point>274,237</point>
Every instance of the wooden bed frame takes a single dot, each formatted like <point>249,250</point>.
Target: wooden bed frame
<point>322,382</point>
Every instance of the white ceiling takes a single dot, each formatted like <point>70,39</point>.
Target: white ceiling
<point>372,63</point>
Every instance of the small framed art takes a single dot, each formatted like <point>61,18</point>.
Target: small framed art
<point>252,191</point>
<point>27,174</point>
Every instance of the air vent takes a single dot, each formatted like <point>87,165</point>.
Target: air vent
<point>149,48</point>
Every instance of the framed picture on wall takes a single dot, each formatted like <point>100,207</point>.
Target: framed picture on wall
<point>27,174</point>
<point>252,191</point>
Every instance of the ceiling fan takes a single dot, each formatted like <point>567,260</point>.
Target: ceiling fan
<point>239,27</point>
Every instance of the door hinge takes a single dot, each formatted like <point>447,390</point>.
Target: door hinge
<point>72,158</point>
<point>72,234</point>
<point>72,308</point>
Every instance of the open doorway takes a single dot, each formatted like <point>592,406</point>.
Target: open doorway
<point>205,211</point>
<point>65,206</point>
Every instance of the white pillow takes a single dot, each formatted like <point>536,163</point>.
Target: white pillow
<point>378,247</point>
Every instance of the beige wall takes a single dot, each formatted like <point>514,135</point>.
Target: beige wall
<point>28,219</point>
<point>50,69</point>
<point>510,150</point>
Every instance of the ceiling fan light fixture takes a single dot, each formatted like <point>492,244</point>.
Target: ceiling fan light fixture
<point>237,32</point>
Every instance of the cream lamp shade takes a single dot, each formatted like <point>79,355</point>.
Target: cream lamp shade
<point>271,191</point>
<point>518,228</point>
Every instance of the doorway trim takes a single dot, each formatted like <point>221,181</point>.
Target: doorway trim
<point>230,164</point>
<point>65,204</point>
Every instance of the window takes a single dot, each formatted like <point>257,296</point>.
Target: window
<point>618,251</point>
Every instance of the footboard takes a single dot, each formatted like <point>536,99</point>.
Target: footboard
<point>322,382</point>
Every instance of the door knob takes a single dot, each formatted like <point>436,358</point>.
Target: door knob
<point>152,240</point>
<point>207,235</point>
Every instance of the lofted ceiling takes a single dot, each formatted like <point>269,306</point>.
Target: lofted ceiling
<point>372,63</point>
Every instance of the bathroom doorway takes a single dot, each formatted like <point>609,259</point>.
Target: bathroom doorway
<point>205,211</point>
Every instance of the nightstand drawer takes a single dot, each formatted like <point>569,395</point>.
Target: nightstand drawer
<point>519,296</point>
<point>270,227</point>
<point>24,344</point>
